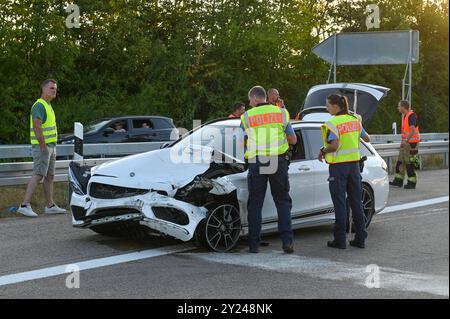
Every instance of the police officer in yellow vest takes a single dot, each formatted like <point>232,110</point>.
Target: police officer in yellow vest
<point>268,135</point>
<point>341,135</point>
<point>43,136</point>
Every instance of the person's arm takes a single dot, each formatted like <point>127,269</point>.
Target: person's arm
<point>331,148</point>
<point>333,145</point>
<point>412,126</point>
<point>39,116</point>
<point>290,134</point>
<point>37,127</point>
<point>411,133</point>
<point>244,137</point>
<point>364,135</point>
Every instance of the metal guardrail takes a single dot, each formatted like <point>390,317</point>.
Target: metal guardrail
<point>392,138</point>
<point>19,173</point>
<point>101,150</point>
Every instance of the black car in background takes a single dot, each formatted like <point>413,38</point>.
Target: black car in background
<point>126,129</point>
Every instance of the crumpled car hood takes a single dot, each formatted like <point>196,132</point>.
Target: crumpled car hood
<point>155,170</point>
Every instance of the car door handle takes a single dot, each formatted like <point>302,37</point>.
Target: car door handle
<point>304,168</point>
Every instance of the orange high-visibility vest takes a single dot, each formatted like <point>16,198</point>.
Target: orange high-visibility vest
<point>406,129</point>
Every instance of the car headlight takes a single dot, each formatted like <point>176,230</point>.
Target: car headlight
<point>74,184</point>
<point>384,165</point>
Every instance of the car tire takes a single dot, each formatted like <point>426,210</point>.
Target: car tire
<point>221,229</point>
<point>368,201</point>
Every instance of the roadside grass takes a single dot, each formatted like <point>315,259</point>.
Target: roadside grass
<point>13,196</point>
<point>429,162</point>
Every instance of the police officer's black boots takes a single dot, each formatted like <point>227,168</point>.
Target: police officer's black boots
<point>288,249</point>
<point>335,244</point>
<point>397,182</point>
<point>358,244</point>
<point>410,185</point>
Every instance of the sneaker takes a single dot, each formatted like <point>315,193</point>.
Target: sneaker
<point>54,210</point>
<point>27,211</point>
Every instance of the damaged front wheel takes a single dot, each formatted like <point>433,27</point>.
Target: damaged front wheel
<point>222,228</point>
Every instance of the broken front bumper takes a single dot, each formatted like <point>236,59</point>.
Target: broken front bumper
<point>159,213</point>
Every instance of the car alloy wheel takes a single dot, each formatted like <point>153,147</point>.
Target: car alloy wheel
<point>223,228</point>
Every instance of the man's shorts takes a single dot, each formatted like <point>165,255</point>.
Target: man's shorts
<point>44,162</point>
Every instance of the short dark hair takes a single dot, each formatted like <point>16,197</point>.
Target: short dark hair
<point>45,82</point>
<point>405,104</point>
<point>257,91</point>
<point>238,105</point>
<point>340,100</point>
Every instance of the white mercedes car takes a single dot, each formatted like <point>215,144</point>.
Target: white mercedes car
<point>196,187</point>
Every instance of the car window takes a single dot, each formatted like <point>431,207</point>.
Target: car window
<point>298,150</point>
<point>364,150</point>
<point>94,127</point>
<point>160,123</point>
<point>226,139</point>
<point>314,138</point>
<point>142,123</point>
<point>315,142</point>
<point>120,126</point>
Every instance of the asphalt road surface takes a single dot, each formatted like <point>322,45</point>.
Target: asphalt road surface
<point>406,256</point>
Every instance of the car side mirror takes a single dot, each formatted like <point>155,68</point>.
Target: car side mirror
<point>108,131</point>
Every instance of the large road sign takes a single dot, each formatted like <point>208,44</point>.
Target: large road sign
<point>367,48</point>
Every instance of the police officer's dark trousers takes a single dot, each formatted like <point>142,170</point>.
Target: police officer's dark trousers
<point>345,181</point>
<point>279,186</point>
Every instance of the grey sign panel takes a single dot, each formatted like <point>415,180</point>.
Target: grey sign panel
<point>366,48</point>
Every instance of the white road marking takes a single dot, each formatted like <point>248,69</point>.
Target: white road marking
<point>421,203</point>
<point>93,263</point>
<point>390,278</point>
<point>390,218</point>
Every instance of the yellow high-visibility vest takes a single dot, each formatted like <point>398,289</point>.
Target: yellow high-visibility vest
<point>265,126</point>
<point>348,130</point>
<point>49,129</point>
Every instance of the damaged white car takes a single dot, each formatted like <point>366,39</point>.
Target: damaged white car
<point>196,188</point>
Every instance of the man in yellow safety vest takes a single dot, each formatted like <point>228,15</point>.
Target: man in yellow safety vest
<point>43,136</point>
<point>268,135</point>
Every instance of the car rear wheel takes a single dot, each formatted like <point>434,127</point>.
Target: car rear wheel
<point>221,229</point>
<point>368,203</point>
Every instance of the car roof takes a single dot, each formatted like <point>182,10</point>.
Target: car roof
<point>137,117</point>
<point>236,122</point>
